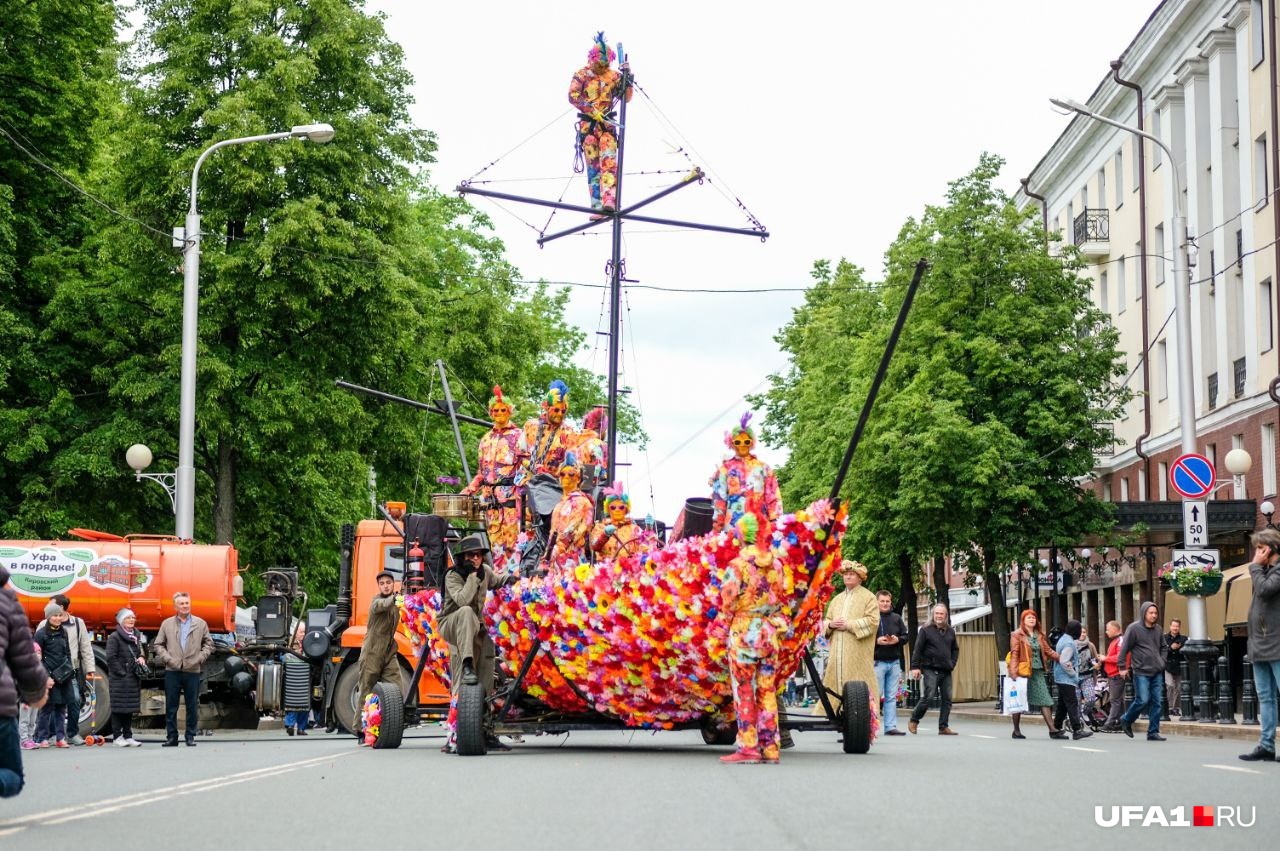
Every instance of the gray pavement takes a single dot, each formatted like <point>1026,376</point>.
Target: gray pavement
<point>637,790</point>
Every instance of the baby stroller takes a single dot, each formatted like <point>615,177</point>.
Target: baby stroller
<point>1095,702</point>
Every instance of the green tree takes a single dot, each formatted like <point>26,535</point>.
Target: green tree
<point>995,403</point>
<point>56,69</point>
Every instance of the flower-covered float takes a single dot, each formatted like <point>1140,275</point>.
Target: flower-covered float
<point>639,642</point>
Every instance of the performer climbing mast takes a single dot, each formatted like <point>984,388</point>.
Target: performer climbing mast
<point>594,90</point>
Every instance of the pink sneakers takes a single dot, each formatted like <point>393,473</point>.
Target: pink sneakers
<point>741,758</point>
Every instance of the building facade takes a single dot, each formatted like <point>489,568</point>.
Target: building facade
<point>1200,76</point>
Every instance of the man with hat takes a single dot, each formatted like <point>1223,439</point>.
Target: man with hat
<point>500,476</point>
<point>851,622</point>
<point>471,650</point>
<point>379,656</point>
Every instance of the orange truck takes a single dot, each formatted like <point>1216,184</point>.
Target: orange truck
<point>103,573</point>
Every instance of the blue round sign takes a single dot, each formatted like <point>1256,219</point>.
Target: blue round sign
<point>1192,476</point>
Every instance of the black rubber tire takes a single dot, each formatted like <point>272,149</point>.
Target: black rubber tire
<point>100,722</point>
<point>471,721</point>
<point>345,711</point>
<point>713,735</point>
<point>391,729</point>
<point>855,717</point>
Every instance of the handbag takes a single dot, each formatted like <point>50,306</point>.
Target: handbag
<point>141,671</point>
<point>63,672</point>
<point>1015,695</point>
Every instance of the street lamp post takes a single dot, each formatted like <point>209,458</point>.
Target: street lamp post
<point>185,485</point>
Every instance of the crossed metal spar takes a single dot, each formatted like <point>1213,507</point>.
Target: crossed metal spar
<point>625,214</point>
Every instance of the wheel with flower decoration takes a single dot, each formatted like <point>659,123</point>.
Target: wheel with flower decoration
<point>471,721</point>
<point>390,727</point>
<point>855,717</point>
<point>715,734</point>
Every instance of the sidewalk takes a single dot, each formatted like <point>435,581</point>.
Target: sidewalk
<point>986,711</point>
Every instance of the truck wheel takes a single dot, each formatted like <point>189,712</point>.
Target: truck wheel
<point>855,715</point>
<point>716,735</point>
<point>391,727</point>
<point>95,714</point>
<point>471,712</point>
<point>345,698</point>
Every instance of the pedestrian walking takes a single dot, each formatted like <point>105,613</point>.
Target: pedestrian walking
<point>125,667</point>
<point>1089,666</point>
<point>1066,673</point>
<point>22,678</point>
<point>182,646</point>
<point>890,637</point>
<point>935,656</point>
<point>1173,643</point>
<point>55,651</point>
<point>1115,682</point>
<point>1264,638</point>
<point>1030,655</point>
<point>81,660</point>
<point>1142,658</point>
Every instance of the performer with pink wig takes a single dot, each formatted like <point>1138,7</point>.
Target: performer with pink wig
<point>618,535</point>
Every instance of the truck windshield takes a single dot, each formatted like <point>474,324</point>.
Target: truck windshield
<point>392,564</point>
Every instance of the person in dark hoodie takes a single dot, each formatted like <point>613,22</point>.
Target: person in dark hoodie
<point>22,677</point>
<point>1142,657</point>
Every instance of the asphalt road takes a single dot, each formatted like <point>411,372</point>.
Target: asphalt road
<point>637,790</point>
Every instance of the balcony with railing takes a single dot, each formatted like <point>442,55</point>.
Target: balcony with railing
<point>1092,232</point>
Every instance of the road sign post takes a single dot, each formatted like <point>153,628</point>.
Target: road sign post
<point>1192,476</point>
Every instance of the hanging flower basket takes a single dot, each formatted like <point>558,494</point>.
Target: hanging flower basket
<point>1192,580</point>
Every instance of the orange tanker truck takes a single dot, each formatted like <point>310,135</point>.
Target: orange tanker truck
<point>104,572</point>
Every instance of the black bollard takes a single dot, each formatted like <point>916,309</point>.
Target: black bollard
<point>1185,697</point>
<point>1226,702</point>
<point>1249,696</point>
<point>1204,699</point>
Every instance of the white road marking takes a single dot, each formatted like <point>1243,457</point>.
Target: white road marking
<point>66,814</point>
<point>977,736</point>
<point>1232,768</point>
<point>1078,748</point>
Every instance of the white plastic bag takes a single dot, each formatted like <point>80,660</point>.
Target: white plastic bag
<point>1015,695</point>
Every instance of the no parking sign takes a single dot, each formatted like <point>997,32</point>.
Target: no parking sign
<point>1192,475</point>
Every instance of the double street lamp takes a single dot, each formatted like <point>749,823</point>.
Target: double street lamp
<point>184,481</point>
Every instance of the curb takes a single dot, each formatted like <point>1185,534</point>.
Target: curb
<point>1193,729</point>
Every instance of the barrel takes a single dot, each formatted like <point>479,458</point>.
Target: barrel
<point>698,514</point>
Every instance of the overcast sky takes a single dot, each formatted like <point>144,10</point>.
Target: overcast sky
<point>831,122</point>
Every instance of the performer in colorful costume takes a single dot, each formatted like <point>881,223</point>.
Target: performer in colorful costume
<point>744,484</point>
<point>588,443</point>
<point>593,92</point>
<point>751,597</point>
<point>501,460</point>
<point>571,521</point>
<point>547,436</point>
<point>618,535</point>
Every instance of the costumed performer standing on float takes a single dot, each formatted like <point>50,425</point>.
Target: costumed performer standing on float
<point>593,91</point>
<point>743,484</point>
<point>751,597</point>
<point>547,436</point>
<point>617,535</point>
<point>588,443</point>
<point>571,521</point>
<point>851,623</point>
<point>501,459</point>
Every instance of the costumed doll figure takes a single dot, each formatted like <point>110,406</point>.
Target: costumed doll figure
<point>750,597</point>
<point>743,484</point>
<point>593,92</point>
<point>501,461</point>
<point>588,443</point>
<point>618,535</point>
<point>571,521</point>
<point>547,436</point>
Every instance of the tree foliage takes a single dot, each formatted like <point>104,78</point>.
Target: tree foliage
<point>318,262</point>
<point>993,407</point>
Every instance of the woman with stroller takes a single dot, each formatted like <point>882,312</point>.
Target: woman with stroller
<point>1029,656</point>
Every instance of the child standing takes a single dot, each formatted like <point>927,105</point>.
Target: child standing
<point>28,717</point>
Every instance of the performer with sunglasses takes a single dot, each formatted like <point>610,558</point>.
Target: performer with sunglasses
<point>743,484</point>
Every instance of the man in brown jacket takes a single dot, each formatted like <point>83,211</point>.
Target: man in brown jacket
<point>182,646</point>
<point>22,677</point>
<point>379,656</point>
<point>471,650</point>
